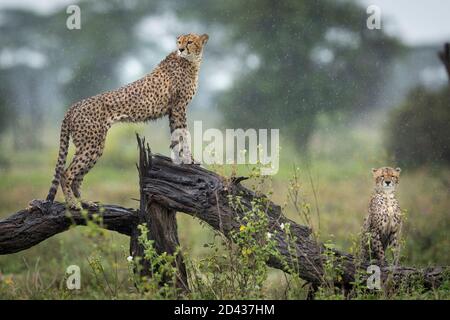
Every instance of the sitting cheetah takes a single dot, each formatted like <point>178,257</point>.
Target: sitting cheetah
<point>165,91</point>
<point>383,224</point>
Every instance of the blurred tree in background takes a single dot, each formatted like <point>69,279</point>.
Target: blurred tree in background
<point>66,65</point>
<point>4,117</point>
<point>3,114</point>
<point>297,59</point>
<point>419,130</point>
<point>314,57</point>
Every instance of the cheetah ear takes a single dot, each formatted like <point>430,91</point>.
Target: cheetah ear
<point>204,37</point>
<point>374,171</point>
<point>398,170</point>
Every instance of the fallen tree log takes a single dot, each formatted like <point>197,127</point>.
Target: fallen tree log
<point>205,195</point>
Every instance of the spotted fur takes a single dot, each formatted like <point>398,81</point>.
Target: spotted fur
<point>383,224</point>
<point>167,90</point>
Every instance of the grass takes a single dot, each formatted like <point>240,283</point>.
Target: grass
<point>335,182</point>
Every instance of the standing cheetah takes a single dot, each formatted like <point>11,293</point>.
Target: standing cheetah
<point>165,91</point>
<point>383,224</point>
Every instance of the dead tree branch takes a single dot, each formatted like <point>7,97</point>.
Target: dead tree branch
<point>162,228</point>
<point>167,188</point>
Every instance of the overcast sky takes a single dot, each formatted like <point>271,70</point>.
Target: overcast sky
<point>414,21</point>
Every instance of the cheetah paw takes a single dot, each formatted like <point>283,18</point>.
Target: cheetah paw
<point>90,205</point>
<point>41,205</point>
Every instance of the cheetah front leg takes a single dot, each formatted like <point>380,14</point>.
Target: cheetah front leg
<point>365,246</point>
<point>377,248</point>
<point>180,137</point>
<point>396,249</point>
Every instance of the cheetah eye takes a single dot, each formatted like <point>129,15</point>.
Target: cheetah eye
<point>189,42</point>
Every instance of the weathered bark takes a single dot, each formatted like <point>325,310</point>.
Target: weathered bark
<point>161,224</point>
<point>28,227</point>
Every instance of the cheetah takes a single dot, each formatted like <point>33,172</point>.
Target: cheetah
<point>383,224</point>
<point>167,90</point>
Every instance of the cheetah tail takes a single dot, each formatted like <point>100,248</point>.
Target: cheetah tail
<point>61,162</point>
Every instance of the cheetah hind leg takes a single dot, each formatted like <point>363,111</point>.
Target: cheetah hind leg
<point>71,200</point>
<point>76,170</point>
<point>90,159</point>
<point>76,185</point>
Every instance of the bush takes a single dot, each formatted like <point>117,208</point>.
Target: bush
<point>418,131</point>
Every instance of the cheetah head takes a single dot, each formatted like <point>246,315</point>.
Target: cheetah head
<point>190,46</point>
<point>386,178</point>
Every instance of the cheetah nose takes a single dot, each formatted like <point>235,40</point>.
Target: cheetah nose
<point>387,182</point>
<point>181,49</point>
